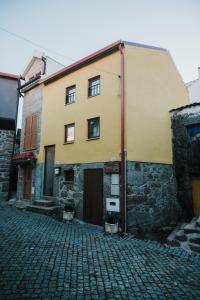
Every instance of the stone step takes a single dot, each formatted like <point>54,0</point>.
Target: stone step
<point>181,236</point>
<point>50,198</point>
<point>49,211</point>
<point>191,228</point>
<point>194,238</point>
<point>45,203</point>
<point>194,247</point>
<point>171,240</point>
<point>198,221</point>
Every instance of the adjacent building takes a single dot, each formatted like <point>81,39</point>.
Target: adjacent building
<point>106,136</point>
<point>9,98</point>
<point>31,88</point>
<point>193,88</point>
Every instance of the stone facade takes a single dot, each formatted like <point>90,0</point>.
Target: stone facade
<point>151,192</point>
<point>6,151</point>
<point>186,164</point>
<point>67,192</point>
<point>151,195</point>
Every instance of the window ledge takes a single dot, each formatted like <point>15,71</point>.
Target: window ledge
<point>68,143</point>
<point>70,103</point>
<point>93,95</point>
<point>92,139</point>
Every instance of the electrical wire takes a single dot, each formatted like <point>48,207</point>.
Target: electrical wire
<point>50,50</point>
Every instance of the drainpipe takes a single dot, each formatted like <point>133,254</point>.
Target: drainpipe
<point>123,152</point>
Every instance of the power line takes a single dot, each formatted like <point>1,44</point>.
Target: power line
<point>48,49</point>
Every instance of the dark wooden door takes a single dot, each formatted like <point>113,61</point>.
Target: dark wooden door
<point>27,182</point>
<point>49,170</point>
<point>93,195</point>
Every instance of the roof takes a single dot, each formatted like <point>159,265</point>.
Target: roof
<point>10,76</point>
<point>186,106</point>
<point>36,55</point>
<point>93,57</point>
<point>25,155</point>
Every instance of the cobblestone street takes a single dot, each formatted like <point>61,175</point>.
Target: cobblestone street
<point>42,258</point>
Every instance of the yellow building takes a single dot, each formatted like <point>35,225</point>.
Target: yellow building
<point>106,136</point>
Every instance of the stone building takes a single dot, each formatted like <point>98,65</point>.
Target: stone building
<point>106,136</point>
<point>186,151</point>
<point>193,88</point>
<point>9,98</point>
<point>31,89</point>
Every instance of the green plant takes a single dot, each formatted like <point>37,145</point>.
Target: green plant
<point>112,217</point>
<point>69,207</point>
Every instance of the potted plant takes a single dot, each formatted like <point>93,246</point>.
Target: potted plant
<point>111,222</point>
<point>68,213</point>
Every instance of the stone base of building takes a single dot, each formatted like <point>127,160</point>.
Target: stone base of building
<point>151,192</point>
<point>151,195</point>
<point>6,150</point>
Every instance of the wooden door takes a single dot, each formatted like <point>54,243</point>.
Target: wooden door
<point>93,196</point>
<point>196,195</point>
<point>49,170</point>
<point>27,182</point>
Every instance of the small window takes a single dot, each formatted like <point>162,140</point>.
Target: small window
<point>69,133</point>
<point>94,86</point>
<point>69,176</point>
<point>93,128</point>
<point>70,94</point>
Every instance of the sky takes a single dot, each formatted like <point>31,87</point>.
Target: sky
<point>68,30</point>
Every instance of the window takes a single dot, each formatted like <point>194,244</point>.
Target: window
<point>93,128</point>
<point>30,132</point>
<point>70,94</point>
<point>94,86</point>
<point>69,133</point>
<point>69,176</point>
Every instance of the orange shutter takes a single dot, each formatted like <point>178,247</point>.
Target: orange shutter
<point>34,124</point>
<point>27,133</point>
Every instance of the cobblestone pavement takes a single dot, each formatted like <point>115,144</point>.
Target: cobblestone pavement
<point>42,258</point>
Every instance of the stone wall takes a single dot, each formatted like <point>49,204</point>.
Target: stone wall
<point>180,119</point>
<point>6,150</point>
<point>151,195</point>
<point>67,192</point>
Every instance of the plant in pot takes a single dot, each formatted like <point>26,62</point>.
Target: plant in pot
<point>111,222</point>
<point>68,213</point>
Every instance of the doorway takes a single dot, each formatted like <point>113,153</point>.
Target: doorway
<point>93,196</point>
<point>49,170</point>
<point>196,195</point>
<point>27,182</point>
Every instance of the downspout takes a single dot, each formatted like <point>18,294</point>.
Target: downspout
<point>123,151</point>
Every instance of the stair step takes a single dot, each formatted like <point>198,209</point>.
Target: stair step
<point>194,247</point>
<point>171,240</point>
<point>191,228</point>
<point>194,238</point>
<point>181,236</point>
<point>43,210</point>
<point>45,203</point>
<point>50,198</point>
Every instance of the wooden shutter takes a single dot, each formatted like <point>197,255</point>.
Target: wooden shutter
<point>34,124</point>
<point>27,133</point>
<point>30,134</point>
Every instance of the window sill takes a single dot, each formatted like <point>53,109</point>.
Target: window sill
<point>93,95</point>
<point>68,143</point>
<point>92,139</point>
<point>70,103</point>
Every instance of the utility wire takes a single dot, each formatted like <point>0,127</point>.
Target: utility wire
<point>48,49</point>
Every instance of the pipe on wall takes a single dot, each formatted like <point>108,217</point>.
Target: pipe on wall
<point>123,151</point>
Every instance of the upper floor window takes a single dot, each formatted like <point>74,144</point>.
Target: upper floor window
<point>94,86</point>
<point>69,133</point>
<point>30,132</point>
<point>70,94</point>
<point>93,128</point>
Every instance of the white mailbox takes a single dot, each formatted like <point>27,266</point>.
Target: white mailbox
<point>112,204</point>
